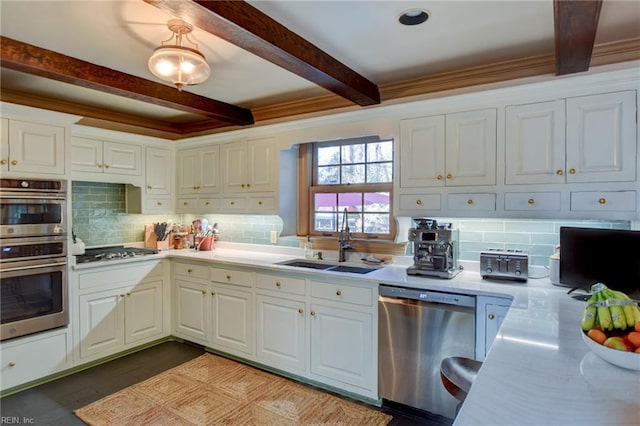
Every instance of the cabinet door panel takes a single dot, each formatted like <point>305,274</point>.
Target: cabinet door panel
<point>101,323</point>
<point>159,171</point>
<point>281,332</point>
<point>36,148</point>
<point>143,312</point>
<point>341,345</point>
<point>4,144</point>
<point>234,166</point>
<point>210,170</point>
<point>122,159</point>
<point>422,152</point>
<point>86,155</point>
<point>535,141</point>
<point>471,148</point>
<point>188,171</point>
<point>601,138</point>
<point>262,166</point>
<point>192,310</point>
<point>233,326</point>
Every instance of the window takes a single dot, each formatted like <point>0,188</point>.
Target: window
<point>356,175</point>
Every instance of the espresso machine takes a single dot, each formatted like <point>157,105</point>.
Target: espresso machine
<point>435,249</point>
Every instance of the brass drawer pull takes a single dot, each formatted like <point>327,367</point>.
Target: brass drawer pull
<point>491,316</point>
<point>228,277</point>
<point>559,172</point>
<point>470,202</point>
<point>338,293</point>
<point>449,176</point>
<point>572,171</point>
<point>602,201</point>
<point>313,313</point>
<point>278,284</point>
<point>419,202</point>
<point>300,311</point>
<point>439,177</point>
<point>531,201</point>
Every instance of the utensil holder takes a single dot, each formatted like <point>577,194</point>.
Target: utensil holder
<point>206,244</point>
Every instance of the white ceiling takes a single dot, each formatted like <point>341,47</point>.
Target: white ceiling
<point>364,35</point>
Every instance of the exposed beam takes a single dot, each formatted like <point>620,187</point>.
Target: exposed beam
<point>248,28</point>
<point>575,24</point>
<point>34,60</point>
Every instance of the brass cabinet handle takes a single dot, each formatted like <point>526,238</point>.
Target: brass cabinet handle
<point>300,311</point>
<point>559,172</point>
<point>128,294</point>
<point>338,293</point>
<point>122,295</point>
<point>3,161</point>
<point>159,203</point>
<point>439,177</point>
<point>248,185</point>
<point>185,203</point>
<point>572,171</point>
<point>491,316</point>
<point>195,187</point>
<point>213,293</point>
<point>228,277</point>
<point>149,187</point>
<point>602,201</point>
<point>449,176</point>
<point>531,201</point>
<point>470,202</point>
<point>203,292</point>
<point>12,363</point>
<point>233,203</point>
<point>313,313</point>
<point>14,162</point>
<point>259,203</point>
<point>278,284</point>
<point>189,271</point>
<point>419,202</point>
<point>106,166</point>
<point>99,165</point>
<point>242,185</point>
<point>207,203</point>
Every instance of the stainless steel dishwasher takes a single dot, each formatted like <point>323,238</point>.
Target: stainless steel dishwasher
<point>417,330</point>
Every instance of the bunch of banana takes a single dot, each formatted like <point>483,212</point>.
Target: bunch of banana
<point>609,310</point>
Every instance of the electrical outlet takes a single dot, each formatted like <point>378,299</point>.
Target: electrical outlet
<point>274,237</point>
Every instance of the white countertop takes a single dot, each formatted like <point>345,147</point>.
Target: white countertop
<point>538,371</point>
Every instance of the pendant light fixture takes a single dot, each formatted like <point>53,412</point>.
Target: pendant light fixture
<point>178,64</point>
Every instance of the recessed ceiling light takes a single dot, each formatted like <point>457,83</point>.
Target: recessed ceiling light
<point>413,17</point>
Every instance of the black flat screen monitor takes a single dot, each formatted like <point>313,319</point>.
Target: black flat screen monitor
<point>609,256</point>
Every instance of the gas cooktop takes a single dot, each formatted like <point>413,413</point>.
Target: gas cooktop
<point>103,254</point>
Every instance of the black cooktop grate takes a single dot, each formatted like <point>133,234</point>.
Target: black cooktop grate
<point>101,254</point>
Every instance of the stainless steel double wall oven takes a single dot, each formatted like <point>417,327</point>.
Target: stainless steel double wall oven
<point>33,256</point>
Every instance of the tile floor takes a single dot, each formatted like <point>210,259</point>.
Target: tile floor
<point>53,403</point>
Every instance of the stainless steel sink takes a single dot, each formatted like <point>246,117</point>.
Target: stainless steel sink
<point>302,263</point>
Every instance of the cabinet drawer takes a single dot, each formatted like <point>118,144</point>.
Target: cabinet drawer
<point>231,204</point>
<point>262,204</point>
<point>621,201</point>
<point>532,201</point>
<point>193,271</point>
<point>158,205</point>
<point>281,284</point>
<point>206,204</point>
<point>232,276</point>
<point>471,202</point>
<point>23,362</point>
<point>420,202</point>
<point>342,293</point>
<point>119,276</point>
<point>186,204</point>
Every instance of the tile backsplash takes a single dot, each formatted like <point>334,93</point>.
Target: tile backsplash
<point>100,218</point>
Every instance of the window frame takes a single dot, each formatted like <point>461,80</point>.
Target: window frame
<point>307,177</point>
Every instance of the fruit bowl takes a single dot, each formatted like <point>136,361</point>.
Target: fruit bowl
<point>630,360</point>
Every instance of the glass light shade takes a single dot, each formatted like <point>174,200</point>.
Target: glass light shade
<point>179,65</point>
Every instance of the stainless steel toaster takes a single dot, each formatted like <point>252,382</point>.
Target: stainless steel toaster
<point>504,264</point>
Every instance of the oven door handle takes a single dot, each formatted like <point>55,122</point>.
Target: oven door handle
<point>30,267</point>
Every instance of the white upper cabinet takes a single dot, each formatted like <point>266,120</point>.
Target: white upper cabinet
<point>578,140</point>
<point>98,156</point>
<point>159,171</point>
<point>250,166</point>
<point>456,149</point>
<point>199,170</point>
<point>535,151</point>
<point>32,148</point>
<point>601,138</point>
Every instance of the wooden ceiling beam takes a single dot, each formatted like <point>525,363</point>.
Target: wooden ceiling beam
<point>248,28</point>
<point>46,63</point>
<point>575,24</point>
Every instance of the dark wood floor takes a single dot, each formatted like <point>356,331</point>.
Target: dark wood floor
<point>53,403</point>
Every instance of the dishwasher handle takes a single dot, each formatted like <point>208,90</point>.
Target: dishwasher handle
<point>427,296</point>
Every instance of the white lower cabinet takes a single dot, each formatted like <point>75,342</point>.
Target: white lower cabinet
<point>490,312</point>
<point>112,319</point>
<point>119,308</point>
<point>233,324</point>
<point>191,304</point>
<point>24,359</point>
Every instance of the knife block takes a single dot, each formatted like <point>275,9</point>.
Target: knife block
<point>150,240</point>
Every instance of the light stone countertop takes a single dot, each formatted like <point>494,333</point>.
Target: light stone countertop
<point>538,371</point>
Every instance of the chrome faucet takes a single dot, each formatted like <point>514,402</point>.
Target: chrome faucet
<point>344,237</point>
